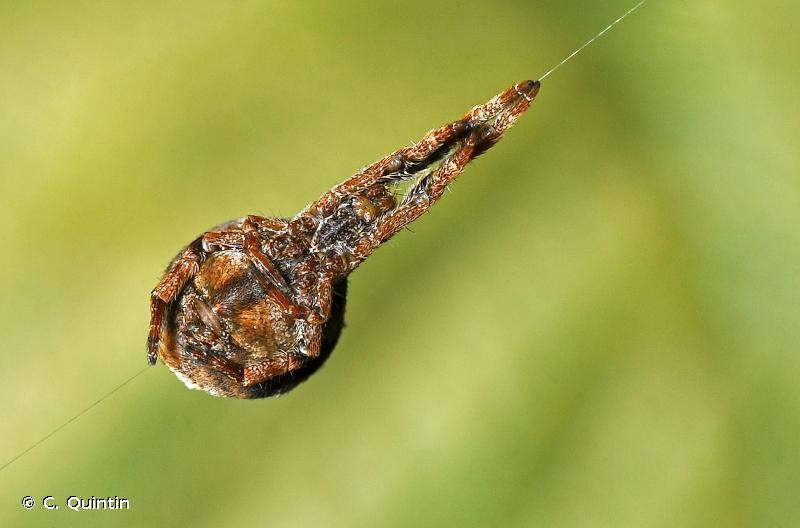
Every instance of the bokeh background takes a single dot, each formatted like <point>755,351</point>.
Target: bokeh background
<point>597,327</point>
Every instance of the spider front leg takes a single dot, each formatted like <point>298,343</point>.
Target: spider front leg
<point>419,199</point>
<point>407,161</point>
<point>488,123</point>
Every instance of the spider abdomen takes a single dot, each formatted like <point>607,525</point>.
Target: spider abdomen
<point>224,321</point>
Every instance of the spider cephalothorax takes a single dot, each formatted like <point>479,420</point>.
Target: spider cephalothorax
<point>253,307</point>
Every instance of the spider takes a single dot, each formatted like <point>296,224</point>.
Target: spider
<point>253,307</point>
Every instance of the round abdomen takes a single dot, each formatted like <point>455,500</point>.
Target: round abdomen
<point>224,320</point>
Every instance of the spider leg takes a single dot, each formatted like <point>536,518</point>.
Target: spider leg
<point>264,222</point>
<point>219,364</point>
<point>418,200</point>
<point>310,342</point>
<point>320,311</point>
<point>252,248</point>
<point>277,287</point>
<point>232,236</point>
<point>285,362</point>
<point>407,161</point>
<point>489,122</point>
<point>182,269</point>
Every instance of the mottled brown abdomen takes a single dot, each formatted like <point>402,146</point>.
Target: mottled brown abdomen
<point>224,321</point>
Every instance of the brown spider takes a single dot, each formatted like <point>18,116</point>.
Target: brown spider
<point>253,307</point>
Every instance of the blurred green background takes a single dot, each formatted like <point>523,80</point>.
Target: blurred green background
<point>597,327</point>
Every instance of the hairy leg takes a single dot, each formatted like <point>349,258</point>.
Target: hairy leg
<point>180,272</point>
<point>419,199</point>
<point>490,122</point>
<point>405,162</point>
